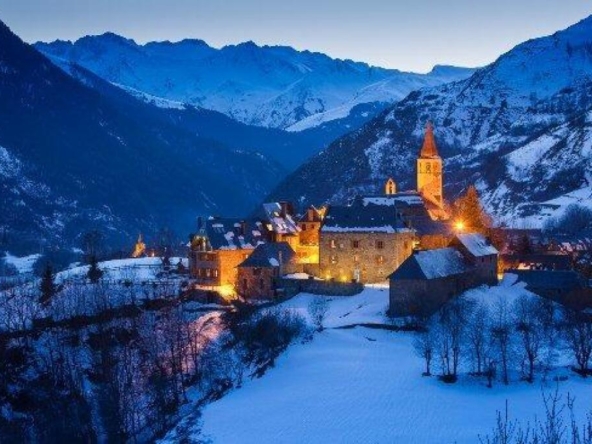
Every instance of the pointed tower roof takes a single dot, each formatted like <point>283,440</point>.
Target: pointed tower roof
<point>429,148</point>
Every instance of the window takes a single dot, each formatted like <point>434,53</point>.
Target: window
<point>244,284</point>
<point>379,245</point>
<point>256,271</point>
<point>380,259</point>
<point>303,227</point>
<point>428,167</point>
<point>333,243</point>
<point>356,244</point>
<point>215,273</point>
<point>356,258</point>
<point>261,284</point>
<point>333,259</point>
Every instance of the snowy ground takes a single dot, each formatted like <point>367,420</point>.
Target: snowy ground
<point>362,385</point>
<point>24,265</point>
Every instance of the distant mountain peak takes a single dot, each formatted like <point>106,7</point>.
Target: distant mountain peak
<point>270,86</point>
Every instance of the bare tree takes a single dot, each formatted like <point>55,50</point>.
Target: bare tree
<point>424,344</point>
<point>452,321</point>
<point>477,337</point>
<point>578,338</point>
<point>501,333</point>
<point>528,313</point>
<point>317,309</point>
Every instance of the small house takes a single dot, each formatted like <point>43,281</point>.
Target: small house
<point>259,273</point>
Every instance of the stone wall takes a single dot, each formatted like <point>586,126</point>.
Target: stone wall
<point>291,287</point>
<point>257,282</point>
<point>374,256</point>
<point>416,297</point>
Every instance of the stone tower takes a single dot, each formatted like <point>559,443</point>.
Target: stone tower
<point>429,169</point>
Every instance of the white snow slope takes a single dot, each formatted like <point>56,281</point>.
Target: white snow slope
<point>364,385</point>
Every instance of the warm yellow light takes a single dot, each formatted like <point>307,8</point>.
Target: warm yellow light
<point>459,225</point>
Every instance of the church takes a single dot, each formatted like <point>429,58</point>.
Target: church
<point>365,241</point>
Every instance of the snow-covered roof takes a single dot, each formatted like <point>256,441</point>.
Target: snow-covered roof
<point>270,255</point>
<point>359,219</point>
<point>432,264</point>
<point>233,234</point>
<point>477,244</point>
<point>281,223</point>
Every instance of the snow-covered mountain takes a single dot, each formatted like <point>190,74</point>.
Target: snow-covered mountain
<point>270,86</point>
<point>77,153</point>
<point>519,128</point>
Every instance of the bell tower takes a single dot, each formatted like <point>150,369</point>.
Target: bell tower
<point>429,169</point>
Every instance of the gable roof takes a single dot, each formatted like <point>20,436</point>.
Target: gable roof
<point>432,264</point>
<point>270,255</point>
<point>357,219</point>
<point>476,244</point>
<point>233,234</point>
<point>414,210</point>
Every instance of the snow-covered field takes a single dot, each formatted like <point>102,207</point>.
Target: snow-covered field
<point>24,265</point>
<point>362,385</point>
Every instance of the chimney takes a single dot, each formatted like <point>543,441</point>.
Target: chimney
<point>287,208</point>
<point>243,227</point>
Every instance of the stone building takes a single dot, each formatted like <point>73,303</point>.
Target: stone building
<point>430,278</point>
<point>480,254</point>
<point>219,246</point>
<point>363,244</point>
<point>259,274</point>
<point>429,170</point>
<point>310,227</point>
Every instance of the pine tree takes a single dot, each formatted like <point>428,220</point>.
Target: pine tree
<point>469,210</point>
<point>94,273</point>
<point>48,287</point>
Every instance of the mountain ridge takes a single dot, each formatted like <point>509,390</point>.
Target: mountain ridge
<point>524,95</point>
<point>270,86</point>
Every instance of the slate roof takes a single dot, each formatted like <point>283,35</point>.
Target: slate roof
<point>233,234</point>
<point>432,264</point>
<point>268,255</point>
<point>413,209</point>
<point>362,219</point>
<point>550,279</point>
<point>280,224</point>
<point>477,244</point>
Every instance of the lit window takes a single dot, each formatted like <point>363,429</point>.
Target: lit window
<point>333,243</point>
<point>333,259</point>
<point>356,258</point>
<point>380,260</point>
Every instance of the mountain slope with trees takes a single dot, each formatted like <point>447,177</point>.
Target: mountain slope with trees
<point>74,158</point>
<point>519,129</point>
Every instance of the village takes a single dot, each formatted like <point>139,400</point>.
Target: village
<point>427,249</point>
